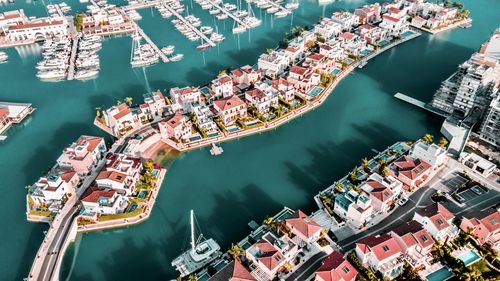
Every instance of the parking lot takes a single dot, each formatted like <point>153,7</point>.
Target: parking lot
<point>454,182</point>
<point>471,193</point>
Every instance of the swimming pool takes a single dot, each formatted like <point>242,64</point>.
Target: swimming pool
<point>383,42</point>
<point>406,33</point>
<point>469,257</point>
<point>440,275</point>
<point>195,138</point>
<point>365,52</point>
<point>335,71</point>
<point>315,91</point>
<point>213,135</point>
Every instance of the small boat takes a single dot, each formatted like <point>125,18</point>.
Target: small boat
<point>216,37</point>
<point>86,74</point>
<point>176,57</point>
<point>206,6</point>
<point>52,75</point>
<point>239,29</point>
<point>221,16</point>
<point>240,14</point>
<point>214,11</point>
<point>292,6</point>
<point>216,150</point>
<point>206,30</point>
<point>3,57</point>
<point>281,14</point>
<point>203,46</point>
<point>202,252</point>
<point>230,7</point>
<point>272,10</point>
<point>168,50</point>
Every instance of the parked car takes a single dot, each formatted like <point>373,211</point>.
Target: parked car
<point>402,201</point>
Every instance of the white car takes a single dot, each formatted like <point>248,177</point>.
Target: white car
<point>402,201</point>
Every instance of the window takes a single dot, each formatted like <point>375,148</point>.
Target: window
<point>440,222</point>
<point>494,222</point>
<point>385,248</point>
<point>345,269</point>
<point>424,238</point>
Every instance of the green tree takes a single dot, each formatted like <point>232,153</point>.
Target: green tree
<point>443,142</point>
<point>236,251</point>
<point>364,163</point>
<point>128,100</point>
<point>192,277</point>
<point>354,174</point>
<point>428,138</point>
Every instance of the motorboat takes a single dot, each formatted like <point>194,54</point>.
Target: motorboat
<point>206,30</point>
<point>239,29</point>
<point>272,10</point>
<point>281,14</point>
<point>3,57</point>
<point>216,37</point>
<point>240,14</point>
<point>167,50</point>
<point>52,74</point>
<point>292,5</point>
<point>222,16</point>
<point>203,46</point>
<point>214,11</point>
<point>176,57</point>
<point>86,74</point>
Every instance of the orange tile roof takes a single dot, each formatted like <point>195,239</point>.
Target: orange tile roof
<point>304,224</point>
<point>112,175</point>
<point>229,103</point>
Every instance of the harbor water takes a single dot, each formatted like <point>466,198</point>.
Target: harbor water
<point>254,177</point>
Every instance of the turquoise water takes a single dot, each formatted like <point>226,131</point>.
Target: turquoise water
<point>469,257</point>
<point>442,274</point>
<point>254,177</point>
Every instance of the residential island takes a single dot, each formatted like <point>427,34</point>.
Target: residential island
<point>94,186</point>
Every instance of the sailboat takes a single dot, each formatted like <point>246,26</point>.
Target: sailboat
<point>202,252</point>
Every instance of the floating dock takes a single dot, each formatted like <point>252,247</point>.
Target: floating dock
<point>13,113</point>
<point>72,59</point>
<point>225,11</point>
<point>196,30</point>
<point>153,45</point>
<point>216,150</point>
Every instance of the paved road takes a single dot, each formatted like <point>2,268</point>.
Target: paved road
<point>308,268</point>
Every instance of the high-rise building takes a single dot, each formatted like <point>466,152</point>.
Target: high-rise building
<point>490,127</point>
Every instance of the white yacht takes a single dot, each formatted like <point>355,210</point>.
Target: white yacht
<point>3,57</point>
<point>206,30</point>
<point>168,50</point>
<point>51,74</point>
<point>281,14</point>
<point>176,57</point>
<point>272,10</point>
<point>239,29</point>
<point>292,5</point>
<point>222,16</point>
<point>240,14</point>
<point>216,37</point>
<point>202,252</point>
<point>86,74</point>
<point>214,11</point>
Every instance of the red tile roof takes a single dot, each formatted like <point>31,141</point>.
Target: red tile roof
<point>174,121</point>
<point>256,93</point>
<point>413,233</point>
<point>67,176</point>
<point>298,70</point>
<point>315,56</point>
<point>438,215</point>
<point>4,112</point>
<point>270,257</point>
<point>93,194</point>
<point>229,103</point>
<point>93,142</point>
<point>123,110</point>
<point>346,35</point>
<point>383,246</point>
<point>389,18</point>
<point>382,194</point>
<point>411,168</point>
<point>304,224</point>
<point>112,175</point>
<point>234,271</point>
<point>334,267</point>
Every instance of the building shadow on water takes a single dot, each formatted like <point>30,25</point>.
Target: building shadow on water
<point>332,160</point>
<point>31,244</point>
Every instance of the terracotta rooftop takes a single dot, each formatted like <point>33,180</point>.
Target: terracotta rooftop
<point>233,271</point>
<point>304,224</point>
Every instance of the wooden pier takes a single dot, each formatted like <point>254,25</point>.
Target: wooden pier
<point>225,11</point>
<point>186,22</point>
<point>72,59</point>
<point>417,103</point>
<point>153,45</point>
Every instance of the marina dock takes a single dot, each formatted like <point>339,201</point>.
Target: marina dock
<point>143,5</point>
<point>72,59</point>
<point>187,23</point>
<point>225,11</point>
<point>281,8</point>
<point>153,45</point>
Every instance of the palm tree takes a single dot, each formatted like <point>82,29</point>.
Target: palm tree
<point>128,100</point>
<point>287,267</point>
<point>268,221</point>
<point>236,251</point>
<point>443,142</point>
<point>354,173</point>
<point>428,138</point>
<point>364,163</point>
<point>192,277</point>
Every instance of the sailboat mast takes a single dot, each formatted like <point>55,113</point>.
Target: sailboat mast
<point>193,245</point>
